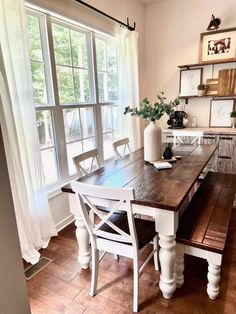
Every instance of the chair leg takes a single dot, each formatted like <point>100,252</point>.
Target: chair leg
<point>95,265</point>
<point>136,283</point>
<point>156,254</point>
<point>179,265</point>
<point>213,277</point>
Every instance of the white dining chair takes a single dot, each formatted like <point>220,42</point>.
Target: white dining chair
<point>118,234</point>
<point>87,162</point>
<point>121,147</point>
<point>91,162</point>
<point>187,137</point>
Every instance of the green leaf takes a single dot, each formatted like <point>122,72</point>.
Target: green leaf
<point>153,111</point>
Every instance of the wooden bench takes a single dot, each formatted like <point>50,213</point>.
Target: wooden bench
<point>204,226</point>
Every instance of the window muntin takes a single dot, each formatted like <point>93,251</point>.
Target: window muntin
<point>37,61</point>
<point>107,68</point>
<point>110,129</point>
<point>108,89</point>
<point>45,128</point>
<point>79,131</point>
<point>72,66</point>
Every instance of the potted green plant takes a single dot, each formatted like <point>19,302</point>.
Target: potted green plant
<point>233,118</point>
<point>153,111</point>
<point>201,89</point>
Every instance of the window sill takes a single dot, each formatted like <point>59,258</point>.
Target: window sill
<point>55,189</point>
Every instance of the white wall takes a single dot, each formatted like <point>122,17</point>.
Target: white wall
<point>121,9</point>
<point>172,37</point>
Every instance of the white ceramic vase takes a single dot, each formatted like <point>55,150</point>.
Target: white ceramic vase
<point>233,122</point>
<point>152,142</point>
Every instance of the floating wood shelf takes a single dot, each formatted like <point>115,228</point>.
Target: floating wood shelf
<point>207,96</point>
<point>203,64</point>
<point>192,65</point>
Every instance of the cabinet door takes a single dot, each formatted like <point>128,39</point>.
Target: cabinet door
<point>212,164</point>
<point>167,137</point>
<point>226,154</point>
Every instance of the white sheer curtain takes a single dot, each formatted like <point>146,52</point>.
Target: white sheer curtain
<point>18,122</point>
<point>129,86</point>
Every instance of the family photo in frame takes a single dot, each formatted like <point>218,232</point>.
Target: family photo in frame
<point>218,46</point>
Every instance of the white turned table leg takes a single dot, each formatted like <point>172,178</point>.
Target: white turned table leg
<point>213,277</point>
<point>82,236</point>
<point>84,256</point>
<point>167,261</point>
<point>179,265</point>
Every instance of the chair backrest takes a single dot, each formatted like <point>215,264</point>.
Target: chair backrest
<point>124,150</point>
<point>114,198</point>
<point>194,137</point>
<point>88,166</point>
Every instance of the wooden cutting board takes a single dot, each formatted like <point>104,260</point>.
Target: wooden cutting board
<point>227,82</point>
<point>212,87</point>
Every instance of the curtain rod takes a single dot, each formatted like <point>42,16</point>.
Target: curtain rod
<point>130,28</point>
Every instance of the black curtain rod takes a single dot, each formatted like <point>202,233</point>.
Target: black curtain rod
<point>130,28</point>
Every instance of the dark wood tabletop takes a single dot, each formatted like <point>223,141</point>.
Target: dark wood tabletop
<point>165,189</point>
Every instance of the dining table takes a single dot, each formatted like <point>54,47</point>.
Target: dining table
<point>159,194</point>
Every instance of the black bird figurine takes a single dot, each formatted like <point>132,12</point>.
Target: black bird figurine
<point>168,152</point>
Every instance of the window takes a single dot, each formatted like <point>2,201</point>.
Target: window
<point>71,57</point>
<point>76,96</point>
<point>107,70</point>
<point>41,91</point>
<point>75,87</point>
<point>79,129</point>
<point>37,61</point>
<point>47,145</point>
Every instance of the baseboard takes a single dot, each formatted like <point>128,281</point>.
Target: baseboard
<point>65,222</point>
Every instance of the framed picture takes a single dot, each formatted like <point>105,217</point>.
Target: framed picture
<point>218,46</point>
<point>189,81</point>
<point>220,112</point>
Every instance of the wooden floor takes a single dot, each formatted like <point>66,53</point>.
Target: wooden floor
<point>62,287</point>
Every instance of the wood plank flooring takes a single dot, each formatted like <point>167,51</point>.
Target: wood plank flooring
<point>62,287</point>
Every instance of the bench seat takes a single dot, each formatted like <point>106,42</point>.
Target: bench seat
<point>204,225</point>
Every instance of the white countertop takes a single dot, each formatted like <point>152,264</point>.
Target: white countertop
<point>231,131</point>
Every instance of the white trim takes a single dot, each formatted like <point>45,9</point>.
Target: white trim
<point>54,193</point>
<point>55,189</point>
<point>66,19</point>
<point>65,222</point>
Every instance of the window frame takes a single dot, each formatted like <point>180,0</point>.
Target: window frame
<point>46,19</point>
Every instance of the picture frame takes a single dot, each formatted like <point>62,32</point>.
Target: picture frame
<point>189,81</point>
<point>218,46</point>
<point>220,112</point>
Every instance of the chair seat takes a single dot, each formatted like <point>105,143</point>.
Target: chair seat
<point>145,229</point>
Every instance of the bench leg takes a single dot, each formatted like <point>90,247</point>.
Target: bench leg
<point>179,265</point>
<point>213,281</point>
